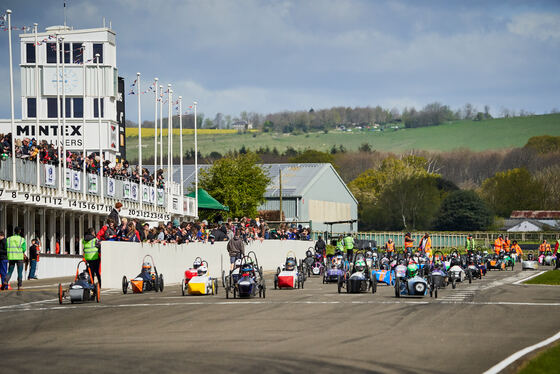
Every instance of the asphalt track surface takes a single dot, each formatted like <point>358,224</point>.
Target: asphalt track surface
<point>466,330</point>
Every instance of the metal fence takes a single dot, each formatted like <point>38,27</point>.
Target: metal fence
<point>448,239</point>
<point>26,174</point>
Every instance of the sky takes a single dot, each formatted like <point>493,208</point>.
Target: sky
<point>268,56</point>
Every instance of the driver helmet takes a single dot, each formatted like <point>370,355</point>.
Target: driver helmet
<point>360,265</point>
<point>84,276</point>
<point>196,263</point>
<point>530,257</point>
<point>146,266</point>
<point>290,264</point>
<point>202,270</point>
<point>308,253</point>
<point>247,267</point>
<point>238,263</point>
<point>412,269</point>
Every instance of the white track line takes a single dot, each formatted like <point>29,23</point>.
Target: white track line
<point>529,277</point>
<point>19,308</point>
<point>517,355</point>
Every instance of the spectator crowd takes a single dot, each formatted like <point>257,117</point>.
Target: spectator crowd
<point>249,230</point>
<point>28,149</point>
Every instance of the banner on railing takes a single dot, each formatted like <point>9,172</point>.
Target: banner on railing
<point>76,180</point>
<point>160,196</point>
<point>50,175</point>
<point>152,195</point>
<point>111,187</point>
<point>145,193</point>
<point>92,183</point>
<point>134,191</point>
<point>68,179</point>
<point>126,189</point>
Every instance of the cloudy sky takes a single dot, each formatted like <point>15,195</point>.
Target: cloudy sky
<point>274,55</point>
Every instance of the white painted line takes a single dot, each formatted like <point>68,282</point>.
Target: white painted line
<point>529,277</point>
<point>517,355</point>
<point>14,306</point>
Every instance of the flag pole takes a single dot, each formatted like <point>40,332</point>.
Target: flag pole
<point>99,126</point>
<point>13,122</point>
<point>169,133</point>
<point>161,125</point>
<point>84,150</point>
<point>58,142</point>
<point>155,130</point>
<point>195,104</point>
<point>38,156</point>
<point>139,138</point>
<point>63,116</point>
<point>181,146</point>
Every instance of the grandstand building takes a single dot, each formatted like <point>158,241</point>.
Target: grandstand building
<point>57,204</point>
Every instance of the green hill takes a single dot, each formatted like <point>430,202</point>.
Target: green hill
<point>475,135</point>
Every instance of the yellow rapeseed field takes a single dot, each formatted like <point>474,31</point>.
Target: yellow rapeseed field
<point>149,132</point>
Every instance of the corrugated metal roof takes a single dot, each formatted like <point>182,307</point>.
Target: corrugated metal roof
<point>538,214</point>
<point>295,177</point>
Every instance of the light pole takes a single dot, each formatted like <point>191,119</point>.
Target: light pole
<point>139,140</point>
<point>155,130</point>
<point>195,105</point>
<point>100,132</point>
<point>37,157</point>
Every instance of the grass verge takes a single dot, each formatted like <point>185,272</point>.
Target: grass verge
<point>546,362</point>
<point>550,277</point>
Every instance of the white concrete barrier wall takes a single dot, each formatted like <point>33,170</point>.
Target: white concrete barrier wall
<point>54,267</point>
<point>171,260</point>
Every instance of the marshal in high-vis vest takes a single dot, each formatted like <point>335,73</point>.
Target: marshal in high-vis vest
<point>16,248</point>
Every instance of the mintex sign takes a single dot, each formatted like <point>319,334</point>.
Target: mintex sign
<point>74,135</point>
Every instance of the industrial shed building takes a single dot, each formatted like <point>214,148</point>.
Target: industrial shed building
<point>310,192</point>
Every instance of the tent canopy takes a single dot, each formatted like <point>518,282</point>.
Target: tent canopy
<point>205,201</point>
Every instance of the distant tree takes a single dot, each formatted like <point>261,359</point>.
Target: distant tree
<point>365,147</point>
<point>313,156</point>
<point>238,182</point>
<point>268,126</point>
<point>463,210</point>
<point>513,189</point>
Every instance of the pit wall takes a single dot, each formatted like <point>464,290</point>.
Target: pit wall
<point>171,260</point>
<point>54,266</point>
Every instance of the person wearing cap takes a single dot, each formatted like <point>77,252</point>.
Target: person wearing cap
<point>517,249</point>
<point>469,244</point>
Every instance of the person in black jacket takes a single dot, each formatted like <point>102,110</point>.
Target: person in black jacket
<point>321,246</point>
<point>33,258</point>
<point>114,215</point>
<point>3,261</point>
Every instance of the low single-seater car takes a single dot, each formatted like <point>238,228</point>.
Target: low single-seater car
<point>289,276</point>
<point>358,278</point>
<point>408,282</point>
<point>148,280</point>
<point>248,281</point>
<point>82,289</point>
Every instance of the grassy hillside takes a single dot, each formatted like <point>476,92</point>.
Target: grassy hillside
<point>477,136</point>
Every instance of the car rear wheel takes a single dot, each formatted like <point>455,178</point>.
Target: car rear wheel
<point>60,293</point>
<point>97,293</point>
<point>124,285</point>
<point>161,283</point>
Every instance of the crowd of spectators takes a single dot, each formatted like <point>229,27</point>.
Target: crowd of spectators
<point>28,149</point>
<point>249,230</point>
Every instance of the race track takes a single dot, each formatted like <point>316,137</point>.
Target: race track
<point>466,330</point>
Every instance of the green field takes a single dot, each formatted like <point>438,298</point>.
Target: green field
<point>546,362</point>
<point>474,135</point>
<point>550,277</point>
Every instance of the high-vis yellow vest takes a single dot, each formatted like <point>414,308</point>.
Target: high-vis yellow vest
<point>91,252</point>
<point>16,248</point>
